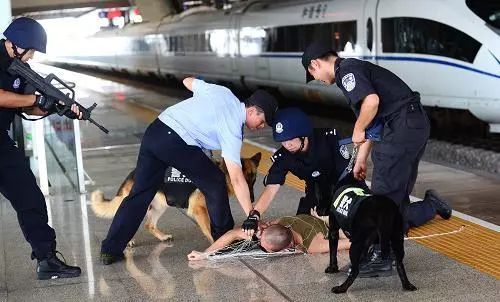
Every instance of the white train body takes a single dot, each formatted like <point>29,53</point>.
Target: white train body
<point>441,48</point>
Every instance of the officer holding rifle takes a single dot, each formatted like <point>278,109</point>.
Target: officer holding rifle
<point>24,36</point>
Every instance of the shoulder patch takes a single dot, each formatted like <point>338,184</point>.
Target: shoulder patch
<point>17,83</point>
<point>349,82</point>
<point>344,151</point>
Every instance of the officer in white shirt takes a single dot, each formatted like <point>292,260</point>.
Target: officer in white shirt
<point>212,119</point>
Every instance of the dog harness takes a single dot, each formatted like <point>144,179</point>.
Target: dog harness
<point>346,202</point>
<point>177,188</point>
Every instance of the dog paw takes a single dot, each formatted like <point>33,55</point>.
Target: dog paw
<point>166,237</point>
<point>409,287</point>
<point>332,269</point>
<point>338,290</point>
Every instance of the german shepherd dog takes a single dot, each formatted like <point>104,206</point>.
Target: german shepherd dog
<point>195,203</point>
<point>376,216</point>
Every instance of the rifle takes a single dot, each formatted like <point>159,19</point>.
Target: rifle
<point>45,87</point>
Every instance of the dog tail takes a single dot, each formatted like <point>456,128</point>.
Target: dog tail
<point>103,207</point>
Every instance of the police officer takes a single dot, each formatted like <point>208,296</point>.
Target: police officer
<point>376,94</point>
<point>17,182</point>
<point>212,119</point>
<point>312,154</point>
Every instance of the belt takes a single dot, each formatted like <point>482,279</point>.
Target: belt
<point>413,100</point>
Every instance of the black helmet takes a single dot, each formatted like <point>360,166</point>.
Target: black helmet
<point>27,33</point>
<point>290,123</point>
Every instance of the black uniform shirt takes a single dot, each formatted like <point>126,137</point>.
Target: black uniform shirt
<point>8,83</point>
<point>358,79</point>
<point>323,162</point>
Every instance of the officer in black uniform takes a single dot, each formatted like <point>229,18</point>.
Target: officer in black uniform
<point>313,155</point>
<point>17,182</point>
<point>376,94</point>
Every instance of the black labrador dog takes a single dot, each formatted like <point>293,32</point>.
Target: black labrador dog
<point>363,217</point>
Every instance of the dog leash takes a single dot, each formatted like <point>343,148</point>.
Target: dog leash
<point>350,166</point>
<point>437,234</point>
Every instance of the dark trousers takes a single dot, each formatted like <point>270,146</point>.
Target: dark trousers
<point>419,213</point>
<point>162,147</point>
<point>396,158</point>
<point>18,185</point>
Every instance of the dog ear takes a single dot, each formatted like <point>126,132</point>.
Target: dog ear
<point>256,158</point>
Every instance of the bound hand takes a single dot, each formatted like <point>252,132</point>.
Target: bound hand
<point>196,256</point>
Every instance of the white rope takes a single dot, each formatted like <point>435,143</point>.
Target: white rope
<point>437,234</point>
<point>247,248</point>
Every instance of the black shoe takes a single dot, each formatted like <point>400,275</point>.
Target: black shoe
<point>442,207</point>
<point>107,258</point>
<point>53,268</point>
<point>375,266</point>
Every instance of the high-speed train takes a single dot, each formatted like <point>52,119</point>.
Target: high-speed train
<point>448,50</point>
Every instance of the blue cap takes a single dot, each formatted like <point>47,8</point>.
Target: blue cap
<point>290,123</point>
<point>27,33</point>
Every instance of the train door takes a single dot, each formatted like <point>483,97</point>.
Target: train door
<point>370,27</point>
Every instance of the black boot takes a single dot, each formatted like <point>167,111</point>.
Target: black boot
<point>52,267</point>
<point>442,207</point>
<point>107,258</point>
<point>374,266</point>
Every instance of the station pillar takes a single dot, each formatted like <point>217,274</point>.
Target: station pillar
<point>5,15</point>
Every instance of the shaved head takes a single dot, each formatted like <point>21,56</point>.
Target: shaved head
<point>276,237</point>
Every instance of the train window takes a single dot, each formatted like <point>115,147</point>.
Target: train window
<point>296,38</point>
<point>139,45</point>
<point>173,44</point>
<point>488,10</point>
<point>180,43</point>
<point>416,35</point>
<point>369,34</point>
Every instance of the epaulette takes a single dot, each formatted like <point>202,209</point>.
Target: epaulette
<point>276,155</point>
<point>331,132</point>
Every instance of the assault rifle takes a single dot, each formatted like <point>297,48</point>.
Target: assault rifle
<point>44,86</point>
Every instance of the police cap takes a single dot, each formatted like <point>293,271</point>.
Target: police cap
<point>314,51</point>
<point>290,123</point>
<point>266,102</point>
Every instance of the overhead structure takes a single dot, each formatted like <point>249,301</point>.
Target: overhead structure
<point>155,10</point>
<point>20,7</point>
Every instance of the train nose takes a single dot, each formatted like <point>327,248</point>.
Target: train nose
<point>485,98</point>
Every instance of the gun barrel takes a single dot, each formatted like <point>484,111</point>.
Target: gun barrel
<point>98,125</point>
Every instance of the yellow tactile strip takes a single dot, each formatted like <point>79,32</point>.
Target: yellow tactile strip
<point>475,245</point>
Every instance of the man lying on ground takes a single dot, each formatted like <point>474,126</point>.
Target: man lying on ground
<point>304,232</point>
